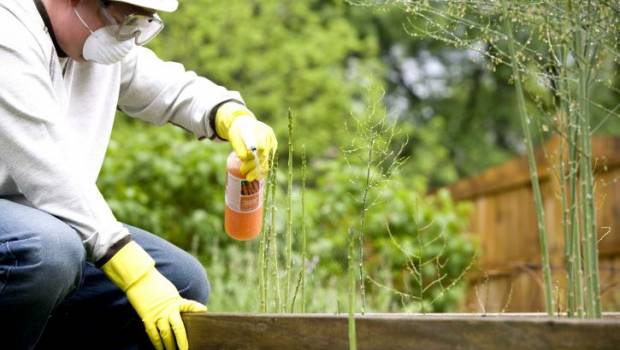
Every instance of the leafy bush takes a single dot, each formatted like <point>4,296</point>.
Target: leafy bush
<point>166,182</point>
<point>301,54</point>
<point>162,180</point>
<point>315,58</point>
<point>416,245</point>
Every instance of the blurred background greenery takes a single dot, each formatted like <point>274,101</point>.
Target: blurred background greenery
<point>333,64</point>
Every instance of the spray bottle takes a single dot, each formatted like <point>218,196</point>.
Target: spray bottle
<point>243,214</point>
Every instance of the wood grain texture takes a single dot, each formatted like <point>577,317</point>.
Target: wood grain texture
<point>504,221</point>
<point>515,173</point>
<point>399,331</point>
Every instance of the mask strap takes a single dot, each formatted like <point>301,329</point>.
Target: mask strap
<point>108,16</point>
<point>82,20</point>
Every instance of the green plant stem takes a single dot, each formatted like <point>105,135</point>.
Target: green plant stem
<point>575,263</point>
<point>575,268</point>
<point>302,271</point>
<point>364,208</point>
<point>351,275</point>
<point>567,228</point>
<point>297,287</point>
<point>304,248</point>
<point>289,210</point>
<point>566,165</point>
<point>583,49</point>
<point>263,248</point>
<point>575,271</point>
<point>540,216</point>
<point>568,179</point>
<point>273,238</point>
<point>261,272</point>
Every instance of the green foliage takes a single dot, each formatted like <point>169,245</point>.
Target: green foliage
<point>164,181</point>
<point>322,59</point>
<point>564,57</point>
<point>456,112</point>
<point>469,88</point>
<point>429,233</point>
<point>279,53</point>
<point>427,236</point>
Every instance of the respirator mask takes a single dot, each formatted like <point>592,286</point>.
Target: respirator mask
<point>111,43</point>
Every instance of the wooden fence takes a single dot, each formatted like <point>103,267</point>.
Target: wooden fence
<point>508,275</point>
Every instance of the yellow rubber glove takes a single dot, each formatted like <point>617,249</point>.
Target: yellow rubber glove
<point>236,123</point>
<point>155,298</point>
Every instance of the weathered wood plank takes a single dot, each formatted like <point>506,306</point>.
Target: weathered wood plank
<point>504,221</point>
<point>399,331</point>
<point>515,173</point>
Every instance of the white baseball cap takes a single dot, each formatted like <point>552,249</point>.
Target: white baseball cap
<point>158,5</point>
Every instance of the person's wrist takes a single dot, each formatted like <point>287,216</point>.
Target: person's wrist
<point>227,114</point>
<point>128,265</point>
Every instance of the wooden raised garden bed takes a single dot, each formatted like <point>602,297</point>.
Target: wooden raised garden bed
<point>400,331</point>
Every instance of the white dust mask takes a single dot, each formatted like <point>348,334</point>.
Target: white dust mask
<point>102,47</point>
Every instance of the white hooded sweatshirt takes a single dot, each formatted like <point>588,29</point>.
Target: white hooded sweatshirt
<point>56,117</point>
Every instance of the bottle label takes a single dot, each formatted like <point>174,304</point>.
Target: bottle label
<point>243,196</point>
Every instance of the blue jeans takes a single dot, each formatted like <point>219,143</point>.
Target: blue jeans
<point>51,298</point>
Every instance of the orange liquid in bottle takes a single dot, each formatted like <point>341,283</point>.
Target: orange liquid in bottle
<point>243,215</point>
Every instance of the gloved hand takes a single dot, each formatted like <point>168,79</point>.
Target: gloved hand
<point>236,123</point>
<point>155,299</point>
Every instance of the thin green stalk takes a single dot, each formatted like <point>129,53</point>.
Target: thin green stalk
<point>575,271</point>
<point>574,265</point>
<point>289,221</point>
<point>301,279</point>
<point>568,179</point>
<point>540,216</point>
<point>351,275</point>
<point>418,271</point>
<point>364,208</point>
<point>263,248</point>
<point>262,295</point>
<point>273,238</point>
<point>566,228</point>
<point>566,224</point>
<point>583,49</point>
<point>566,165</point>
<point>304,249</point>
<point>269,252</point>
<point>297,285</point>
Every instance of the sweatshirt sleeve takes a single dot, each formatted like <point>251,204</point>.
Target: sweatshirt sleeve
<point>32,134</point>
<point>164,92</point>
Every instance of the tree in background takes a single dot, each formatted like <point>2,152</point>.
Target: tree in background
<point>564,58</point>
<point>457,102</point>
<point>320,58</point>
<point>326,60</point>
<point>280,54</point>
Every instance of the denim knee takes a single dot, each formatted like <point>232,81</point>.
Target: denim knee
<point>190,278</point>
<point>47,264</point>
<point>178,266</point>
